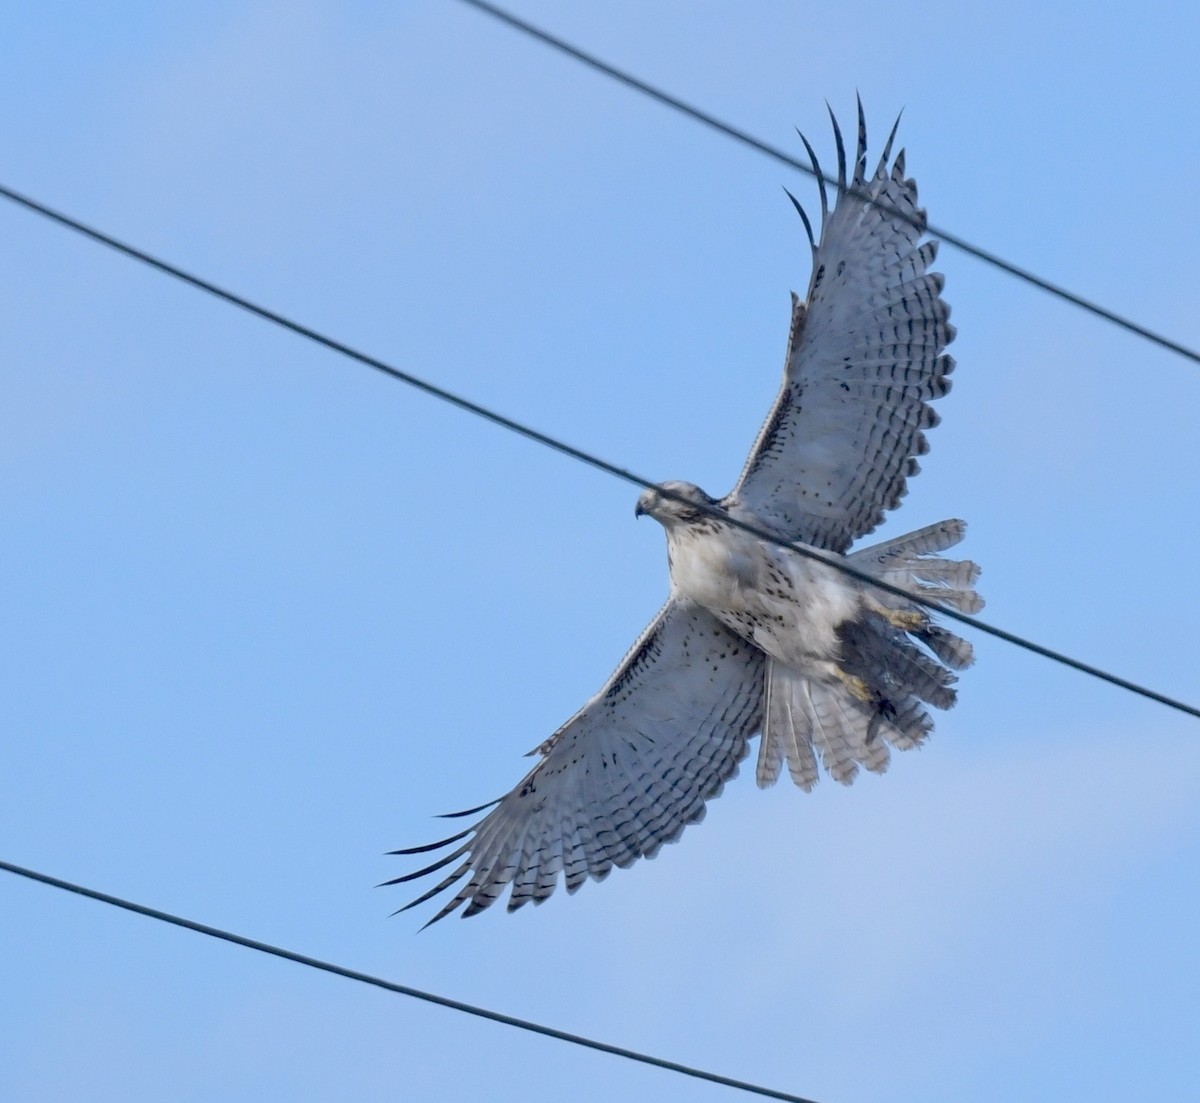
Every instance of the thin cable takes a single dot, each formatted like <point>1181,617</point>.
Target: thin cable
<point>757,144</point>
<point>570,450</point>
<point>401,989</point>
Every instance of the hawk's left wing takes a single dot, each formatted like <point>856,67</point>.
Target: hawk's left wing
<point>865,357</point>
<point>624,775</point>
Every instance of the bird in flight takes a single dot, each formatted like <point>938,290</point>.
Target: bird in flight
<point>756,637</point>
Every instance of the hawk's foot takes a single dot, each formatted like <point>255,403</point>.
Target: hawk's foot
<point>907,620</point>
<point>857,687</point>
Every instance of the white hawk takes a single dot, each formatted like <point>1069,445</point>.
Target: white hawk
<point>756,638</point>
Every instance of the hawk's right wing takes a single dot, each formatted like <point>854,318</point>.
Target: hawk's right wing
<point>624,775</point>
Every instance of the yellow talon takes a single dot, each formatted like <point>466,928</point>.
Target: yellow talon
<point>857,687</point>
<point>907,620</point>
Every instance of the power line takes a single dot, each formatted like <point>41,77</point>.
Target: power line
<point>401,989</point>
<point>775,153</point>
<point>569,450</point>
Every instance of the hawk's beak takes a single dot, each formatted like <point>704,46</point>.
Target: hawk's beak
<point>638,510</point>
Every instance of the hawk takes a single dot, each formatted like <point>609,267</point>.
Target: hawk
<point>757,638</point>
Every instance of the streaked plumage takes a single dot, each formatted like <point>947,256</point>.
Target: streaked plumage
<point>754,637</point>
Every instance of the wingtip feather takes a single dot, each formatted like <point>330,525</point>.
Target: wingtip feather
<point>469,811</point>
<point>816,168</point>
<point>887,147</point>
<point>860,154</point>
<point>841,149</point>
<point>803,218</point>
<point>427,847</point>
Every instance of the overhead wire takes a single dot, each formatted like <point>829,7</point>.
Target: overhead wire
<point>578,454</point>
<point>401,989</point>
<point>727,129</point>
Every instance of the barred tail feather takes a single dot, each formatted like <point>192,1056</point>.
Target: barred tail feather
<point>911,562</point>
<point>806,718</point>
<point>953,650</point>
<point>787,731</point>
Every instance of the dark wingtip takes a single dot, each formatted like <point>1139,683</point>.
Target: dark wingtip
<point>803,217</point>
<point>816,169</point>
<point>841,149</point>
<point>441,886</point>
<point>431,868</point>
<point>887,147</point>
<point>860,155</point>
<point>430,846</point>
<point>469,811</point>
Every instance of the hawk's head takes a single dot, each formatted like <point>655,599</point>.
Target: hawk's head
<point>673,503</point>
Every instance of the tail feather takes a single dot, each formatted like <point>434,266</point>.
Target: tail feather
<point>803,717</point>
<point>909,727</point>
<point>953,650</point>
<point>787,731</point>
<point>955,574</point>
<point>910,562</point>
<point>847,732</point>
<point>904,671</point>
<point>924,541</point>
<point>884,658</point>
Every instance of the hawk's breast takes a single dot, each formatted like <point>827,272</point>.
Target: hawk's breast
<point>714,565</point>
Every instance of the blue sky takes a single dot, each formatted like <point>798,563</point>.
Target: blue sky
<point>265,612</point>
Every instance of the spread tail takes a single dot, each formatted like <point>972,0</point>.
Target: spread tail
<point>881,703</point>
